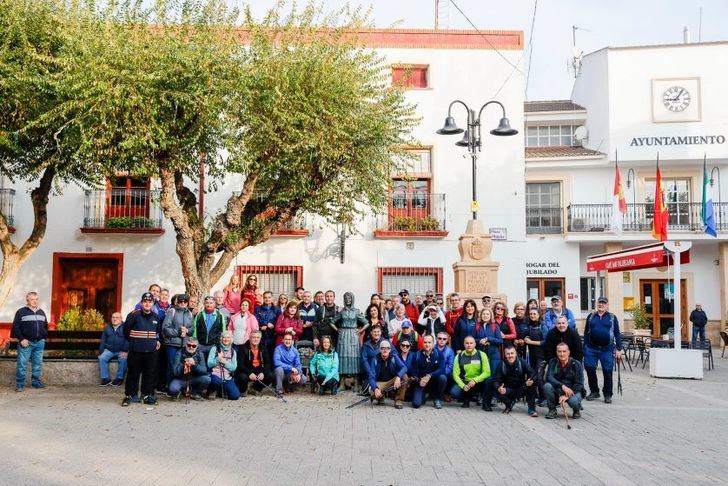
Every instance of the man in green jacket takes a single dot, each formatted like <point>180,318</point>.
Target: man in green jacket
<point>471,373</point>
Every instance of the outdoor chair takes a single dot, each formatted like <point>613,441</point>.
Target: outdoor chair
<point>642,351</point>
<point>724,338</point>
<point>707,349</point>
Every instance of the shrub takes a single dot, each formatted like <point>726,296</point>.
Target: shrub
<point>76,319</point>
<point>640,317</point>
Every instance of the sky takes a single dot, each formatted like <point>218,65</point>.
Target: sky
<point>604,23</point>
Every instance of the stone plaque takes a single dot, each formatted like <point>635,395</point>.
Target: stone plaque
<point>476,281</point>
<point>477,249</point>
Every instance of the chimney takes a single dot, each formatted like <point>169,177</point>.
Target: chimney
<point>686,35</point>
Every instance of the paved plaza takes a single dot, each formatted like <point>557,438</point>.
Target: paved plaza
<point>659,432</point>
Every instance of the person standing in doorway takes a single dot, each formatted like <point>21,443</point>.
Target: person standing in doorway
<point>699,319</point>
<point>30,327</point>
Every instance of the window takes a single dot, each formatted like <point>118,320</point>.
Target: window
<point>410,76</point>
<point>550,136</point>
<point>276,278</point>
<point>543,207</point>
<point>588,295</point>
<point>128,197</point>
<point>677,197</point>
<point>417,280</point>
<point>545,288</point>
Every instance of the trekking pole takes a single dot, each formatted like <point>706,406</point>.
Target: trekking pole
<point>187,387</point>
<point>369,399</point>
<point>222,381</point>
<point>566,416</point>
<point>275,392</point>
<point>619,377</point>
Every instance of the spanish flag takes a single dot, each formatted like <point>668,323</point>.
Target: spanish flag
<point>659,220</point>
<point>619,203</point>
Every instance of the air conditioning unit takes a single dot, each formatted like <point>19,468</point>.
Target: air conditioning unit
<point>580,225</point>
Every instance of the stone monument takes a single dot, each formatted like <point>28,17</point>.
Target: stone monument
<point>476,274</point>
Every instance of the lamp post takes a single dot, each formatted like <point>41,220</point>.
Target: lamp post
<point>472,138</point>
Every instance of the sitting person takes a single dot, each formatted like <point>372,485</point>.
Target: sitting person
<point>407,332</point>
<point>223,362</point>
<point>387,372</point>
<point>325,367</point>
<point>189,372</point>
<point>565,381</point>
<point>254,364</point>
<point>429,374</point>
<point>113,345</point>
<point>471,372</point>
<point>514,379</point>
<point>287,365</point>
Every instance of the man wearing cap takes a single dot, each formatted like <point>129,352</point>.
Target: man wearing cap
<point>208,325</point>
<point>143,330</point>
<point>431,321</point>
<point>190,371</point>
<point>409,334</point>
<point>557,309</point>
<point>409,307</point>
<point>601,334</point>
<point>386,373</point>
<point>176,328</point>
<point>699,319</point>
<point>487,301</point>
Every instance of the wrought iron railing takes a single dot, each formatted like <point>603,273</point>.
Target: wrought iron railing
<point>413,212</point>
<point>544,220</point>
<point>122,208</point>
<point>7,198</point>
<point>585,218</point>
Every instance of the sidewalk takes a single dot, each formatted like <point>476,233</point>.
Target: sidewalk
<point>659,432</point>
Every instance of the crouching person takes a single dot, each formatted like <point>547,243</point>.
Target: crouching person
<point>387,372</point>
<point>253,364</point>
<point>287,365</point>
<point>113,345</point>
<point>325,367</point>
<point>471,372</point>
<point>222,361</point>
<point>564,382</point>
<point>189,372</point>
<point>514,379</point>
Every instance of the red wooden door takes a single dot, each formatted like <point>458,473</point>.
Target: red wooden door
<point>88,284</point>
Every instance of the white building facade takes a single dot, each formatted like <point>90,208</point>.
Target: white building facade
<point>103,247</point>
<point>632,103</point>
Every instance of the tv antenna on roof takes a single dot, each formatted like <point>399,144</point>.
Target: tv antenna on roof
<point>442,14</point>
<point>574,65</point>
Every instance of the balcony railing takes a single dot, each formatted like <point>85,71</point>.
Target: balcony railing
<point>412,212</point>
<point>122,210</point>
<point>299,225</point>
<point>585,218</point>
<point>544,220</point>
<point>7,197</point>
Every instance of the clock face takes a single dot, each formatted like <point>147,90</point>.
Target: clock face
<point>676,98</point>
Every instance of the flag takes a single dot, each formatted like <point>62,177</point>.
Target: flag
<point>619,203</point>
<point>659,217</point>
<point>707,213</point>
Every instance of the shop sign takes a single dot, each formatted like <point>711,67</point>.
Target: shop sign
<point>542,268</point>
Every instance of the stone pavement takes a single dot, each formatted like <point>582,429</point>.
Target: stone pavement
<point>659,432</point>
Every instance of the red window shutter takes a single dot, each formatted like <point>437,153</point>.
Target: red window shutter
<point>410,76</point>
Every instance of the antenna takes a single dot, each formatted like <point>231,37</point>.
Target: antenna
<point>577,54</point>
<point>700,26</point>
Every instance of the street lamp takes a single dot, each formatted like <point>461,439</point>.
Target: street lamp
<point>472,137</point>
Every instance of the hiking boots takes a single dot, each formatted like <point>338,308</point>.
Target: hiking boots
<point>466,404</point>
<point>576,414</point>
<point>593,396</point>
<point>321,391</point>
<point>105,382</point>
<point>398,404</point>
<point>532,412</point>
<point>150,400</point>
<point>117,382</point>
<point>335,390</point>
<point>438,404</point>
<point>39,385</point>
<point>607,398</point>
<point>552,414</point>
<point>487,408</point>
<point>126,401</point>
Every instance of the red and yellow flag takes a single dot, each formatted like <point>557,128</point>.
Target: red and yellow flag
<point>619,203</point>
<point>659,220</point>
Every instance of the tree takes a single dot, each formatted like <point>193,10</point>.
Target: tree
<point>32,37</point>
<point>292,105</point>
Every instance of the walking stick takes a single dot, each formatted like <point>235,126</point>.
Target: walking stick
<point>370,398</point>
<point>222,381</point>
<point>187,386</point>
<point>619,377</point>
<point>566,416</point>
<point>275,392</point>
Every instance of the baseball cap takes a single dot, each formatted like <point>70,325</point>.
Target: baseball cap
<point>403,292</point>
<point>406,324</point>
<point>555,297</point>
<point>603,300</point>
<point>183,297</point>
<point>486,296</point>
<point>147,296</point>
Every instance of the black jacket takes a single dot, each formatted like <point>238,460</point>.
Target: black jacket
<point>199,369</point>
<point>30,324</point>
<point>570,337</point>
<point>245,360</point>
<point>200,329</point>
<point>513,376</point>
<point>143,331</point>
<point>698,318</point>
<point>572,375</point>
<point>325,317</point>
<point>113,339</point>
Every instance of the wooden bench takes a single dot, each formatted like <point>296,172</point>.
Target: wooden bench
<point>88,341</point>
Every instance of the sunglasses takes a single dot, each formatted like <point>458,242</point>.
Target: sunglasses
<point>385,348</point>
<point>191,345</point>
<point>405,346</point>
<point>147,300</point>
<point>442,339</point>
<point>182,300</point>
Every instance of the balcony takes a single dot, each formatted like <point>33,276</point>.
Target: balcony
<point>544,220</point>
<point>591,218</point>
<point>412,215</point>
<point>7,197</point>
<point>299,226</point>
<point>122,210</point>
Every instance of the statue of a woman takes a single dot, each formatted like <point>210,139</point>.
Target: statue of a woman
<point>350,322</point>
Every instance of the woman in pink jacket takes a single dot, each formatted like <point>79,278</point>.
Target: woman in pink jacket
<point>242,325</point>
<point>289,321</point>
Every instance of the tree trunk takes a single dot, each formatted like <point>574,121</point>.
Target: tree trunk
<point>9,273</point>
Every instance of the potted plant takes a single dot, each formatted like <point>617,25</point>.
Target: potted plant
<point>642,321</point>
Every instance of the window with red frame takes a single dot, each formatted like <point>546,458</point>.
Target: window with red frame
<point>127,197</point>
<point>416,280</point>
<point>410,76</point>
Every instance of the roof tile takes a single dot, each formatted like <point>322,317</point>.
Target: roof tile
<point>565,152</point>
<point>551,105</point>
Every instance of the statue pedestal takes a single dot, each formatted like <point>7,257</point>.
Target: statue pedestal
<point>476,274</point>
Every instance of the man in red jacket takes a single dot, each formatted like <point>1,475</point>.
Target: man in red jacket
<point>453,314</point>
<point>409,307</point>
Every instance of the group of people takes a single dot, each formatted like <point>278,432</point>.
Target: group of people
<point>241,341</point>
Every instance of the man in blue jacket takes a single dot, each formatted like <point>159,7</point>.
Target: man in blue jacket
<point>113,345</point>
<point>557,309</point>
<point>448,357</point>
<point>387,371</point>
<point>287,365</point>
<point>429,373</point>
<point>266,314</point>
<point>30,327</point>
<point>143,330</point>
<point>601,333</point>
<point>189,371</point>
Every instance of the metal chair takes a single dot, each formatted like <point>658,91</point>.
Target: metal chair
<point>707,349</point>
<point>724,338</point>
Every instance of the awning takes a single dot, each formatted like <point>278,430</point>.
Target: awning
<point>647,256</point>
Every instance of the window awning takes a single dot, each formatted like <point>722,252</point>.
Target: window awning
<point>648,256</point>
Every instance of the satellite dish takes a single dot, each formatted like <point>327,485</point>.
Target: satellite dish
<point>580,135</point>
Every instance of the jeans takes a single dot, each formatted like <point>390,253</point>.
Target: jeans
<point>605,356</point>
<point>698,333</point>
<point>282,375</point>
<point>228,388</point>
<point>104,359</point>
<point>171,353</point>
<point>458,393</point>
<point>34,351</point>
<point>552,394</point>
<point>436,387</point>
<point>197,384</point>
